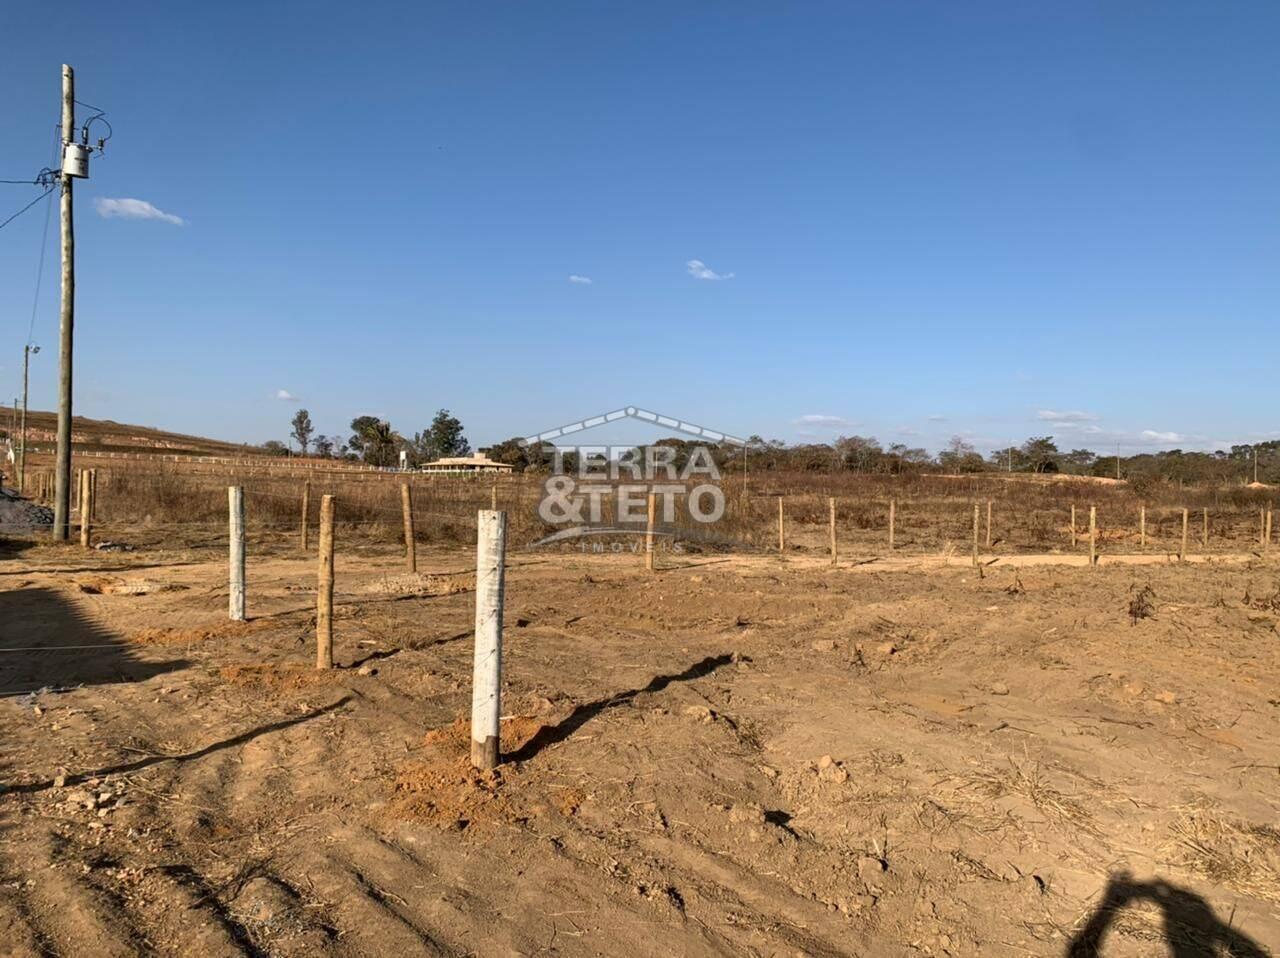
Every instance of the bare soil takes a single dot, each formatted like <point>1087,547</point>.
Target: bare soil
<point>733,756</point>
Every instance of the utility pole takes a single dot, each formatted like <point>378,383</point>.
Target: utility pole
<point>1117,460</point>
<point>62,474</point>
<point>27,350</point>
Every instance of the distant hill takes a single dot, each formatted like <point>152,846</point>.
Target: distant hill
<point>108,436</point>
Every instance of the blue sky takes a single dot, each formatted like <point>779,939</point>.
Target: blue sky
<point>929,218</point>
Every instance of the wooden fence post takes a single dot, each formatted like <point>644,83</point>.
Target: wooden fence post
<point>86,508</point>
<point>410,546</point>
<point>1093,535</point>
<point>235,504</point>
<point>892,516</point>
<point>1268,543</point>
<point>1204,533</point>
<point>486,679</point>
<point>1073,525</point>
<point>324,590</point>
<point>306,509</point>
<point>93,494</point>
<point>782,539</point>
<point>1142,525</point>
<point>648,533</point>
<point>1182,553</point>
<point>831,506</point>
<point>975,535</point>
<point>1262,526</point>
<point>493,497</point>
<point>988,523</point>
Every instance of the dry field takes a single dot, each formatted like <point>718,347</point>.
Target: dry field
<point>740,754</point>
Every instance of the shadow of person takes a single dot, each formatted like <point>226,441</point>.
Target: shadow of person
<point>1191,929</point>
<point>50,640</point>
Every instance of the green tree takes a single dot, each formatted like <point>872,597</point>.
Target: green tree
<point>373,440</point>
<point>274,447</point>
<point>441,440</point>
<point>302,429</point>
<point>1041,454</point>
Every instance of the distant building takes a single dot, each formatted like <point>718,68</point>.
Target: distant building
<point>465,466</point>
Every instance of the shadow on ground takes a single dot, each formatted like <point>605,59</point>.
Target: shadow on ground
<point>550,735</point>
<point>1191,928</point>
<point>47,641</point>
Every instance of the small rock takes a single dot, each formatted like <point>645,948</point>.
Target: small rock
<point>886,648</point>
<point>747,814</point>
<point>522,622</point>
<point>700,712</point>
<point>366,670</point>
<point>834,774</point>
<point>1135,688</point>
<point>824,645</point>
<point>999,688</point>
<point>1168,698</point>
<point>826,761</point>
<point>60,780</point>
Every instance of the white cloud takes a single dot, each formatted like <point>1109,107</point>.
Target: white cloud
<point>700,270</point>
<point>285,396</point>
<point>1151,435</point>
<point>936,418</point>
<point>127,209</point>
<point>580,280</point>
<point>825,421</point>
<point>1075,415</point>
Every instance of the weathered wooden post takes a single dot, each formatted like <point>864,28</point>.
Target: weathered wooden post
<point>486,680</point>
<point>324,587</point>
<point>93,494</point>
<point>1142,525</point>
<point>1182,553</point>
<point>1268,542</point>
<point>648,532</point>
<point>86,507</point>
<point>235,503</point>
<point>410,546</point>
<point>988,523</point>
<point>831,506</point>
<point>892,517</point>
<point>1204,532</point>
<point>782,539</point>
<point>1093,535</point>
<point>1262,527</point>
<point>306,510</point>
<point>975,535</point>
<point>493,497</point>
<point>1073,525</point>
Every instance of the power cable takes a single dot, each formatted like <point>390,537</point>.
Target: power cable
<point>27,207</point>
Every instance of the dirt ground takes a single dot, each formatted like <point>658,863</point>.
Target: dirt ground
<point>733,756</point>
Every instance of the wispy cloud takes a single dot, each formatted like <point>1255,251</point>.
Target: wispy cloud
<point>285,396</point>
<point>824,421</point>
<point>129,209</point>
<point>700,270</point>
<point>580,280</point>
<point>1152,435</point>
<point>1075,415</point>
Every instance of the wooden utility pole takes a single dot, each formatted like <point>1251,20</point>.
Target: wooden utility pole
<point>410,547</point>
<point>324,587</point>
<point>486,673</point>
<point>831,506</point>
<point>62,497</point>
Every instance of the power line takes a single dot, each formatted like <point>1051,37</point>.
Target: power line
<point>27,207</point>
<point>44,248</point>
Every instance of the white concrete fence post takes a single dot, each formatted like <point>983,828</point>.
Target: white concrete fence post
<point>235,502</point>
<point>486,682</point>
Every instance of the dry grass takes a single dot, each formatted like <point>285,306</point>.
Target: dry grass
<point>1228,851</point>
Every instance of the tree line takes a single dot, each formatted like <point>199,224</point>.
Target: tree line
<point>374,441</point>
